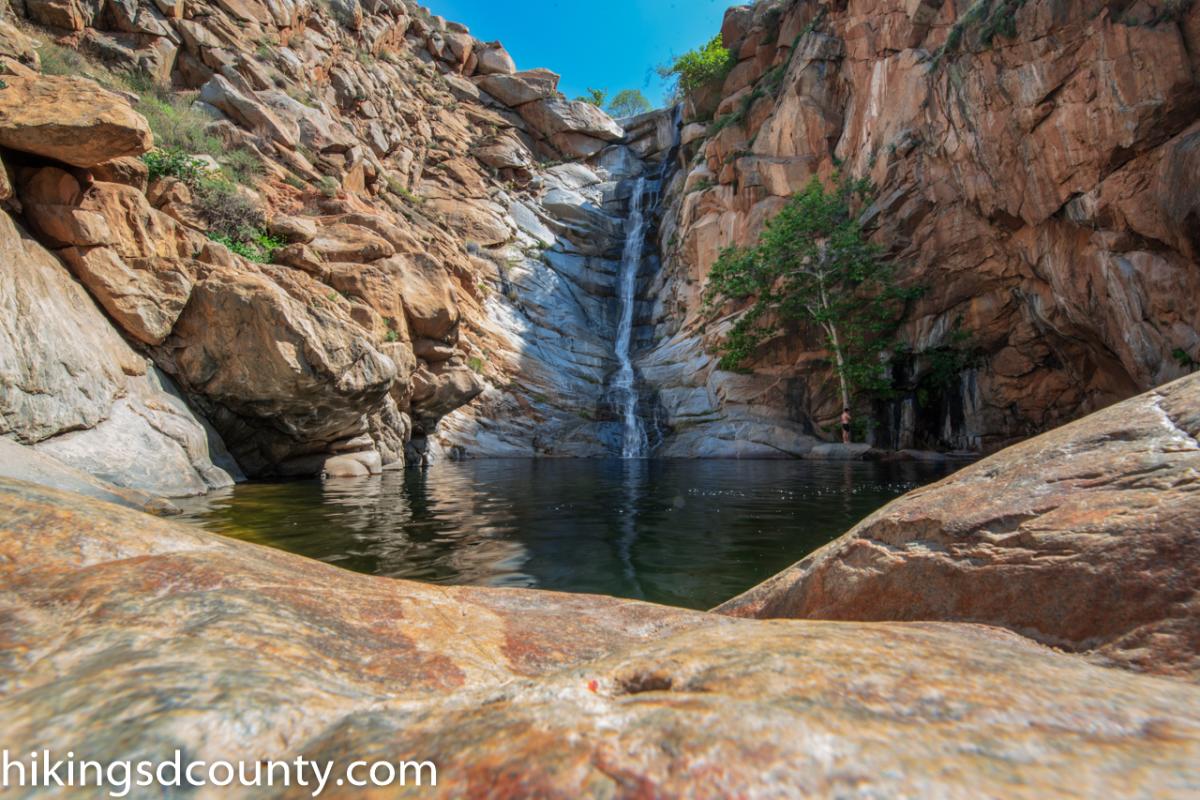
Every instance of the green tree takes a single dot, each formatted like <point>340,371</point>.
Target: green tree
<point>628,103</point>
<point>596,97</point>
<point>813,264</point>
<point>701,66</point>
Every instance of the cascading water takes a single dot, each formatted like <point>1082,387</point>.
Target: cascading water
<point>624,385</point>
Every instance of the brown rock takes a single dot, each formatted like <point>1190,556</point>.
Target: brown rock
<point>346,242</point>
<point>69,119</point>
<point>144,296</point>
<point>129,171</point>
<point>1083,538</point>
<point>298,376</point>
<point>520,88</point>
<point>521,693</point>
<point>494,59</point>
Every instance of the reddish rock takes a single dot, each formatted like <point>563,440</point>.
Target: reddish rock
<point>130,637</point>
<point>1084,538</point>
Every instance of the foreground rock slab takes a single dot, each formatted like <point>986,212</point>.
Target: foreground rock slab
<point>125,635</point>
<point>1085,538</point>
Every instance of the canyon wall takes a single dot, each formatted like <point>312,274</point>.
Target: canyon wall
<point>405,224</point>
<point>1036,168</point>
<point>434,237</point>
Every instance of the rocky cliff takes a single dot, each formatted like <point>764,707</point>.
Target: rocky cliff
<point>355,220</point>
<point>1036,167</point>
<point>365,238</point>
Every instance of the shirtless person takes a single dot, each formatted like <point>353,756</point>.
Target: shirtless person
<point>845,426</point>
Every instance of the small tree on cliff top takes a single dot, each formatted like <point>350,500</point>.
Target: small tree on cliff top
<point>628,103</point>
<point>812,263</point>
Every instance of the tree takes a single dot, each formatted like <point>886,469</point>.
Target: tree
<point>813,264</point>
<point>596,97</point>
<point>628,103</point>
<point>701,66</point>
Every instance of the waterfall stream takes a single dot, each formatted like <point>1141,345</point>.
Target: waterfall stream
<point>624,385</point>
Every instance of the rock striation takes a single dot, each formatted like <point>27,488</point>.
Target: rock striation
<point>1083,538</point>
<point>1034,166</point>
<point>257,653</point>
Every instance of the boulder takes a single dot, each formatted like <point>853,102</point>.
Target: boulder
<point>476,221</point>
<point>427,295</point>
<point>555,115</point>
<point>129,171</point>
<point>144,296</point>
<point>345,242</point>
<point>248,112</point>
<point>70,120</point>
<point>503,152</point>
<point>67,15</point>
<point>521,87</point>
<point>299,375</point>
<point>440,388</point>
<point>513,692</point>
<point>1084,538</point>
<point>494,60</point>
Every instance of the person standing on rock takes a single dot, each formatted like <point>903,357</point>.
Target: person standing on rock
<point>845,426</point>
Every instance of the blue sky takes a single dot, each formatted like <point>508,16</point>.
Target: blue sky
<point>613,44</point>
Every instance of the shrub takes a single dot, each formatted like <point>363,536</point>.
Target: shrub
<point>59,60</point>
<point>175,164</point>
<point>329,186</point>
<point>595,97</point>
<point>177,125</point>
<point>476,364</point>
<point>260,250</point>
<point>702,66</point>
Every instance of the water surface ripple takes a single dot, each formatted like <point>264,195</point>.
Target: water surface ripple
<point>685,533</point>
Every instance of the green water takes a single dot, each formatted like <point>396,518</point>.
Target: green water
<point>685,533</point>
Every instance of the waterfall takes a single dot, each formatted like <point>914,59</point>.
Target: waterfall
<point>634,433</point>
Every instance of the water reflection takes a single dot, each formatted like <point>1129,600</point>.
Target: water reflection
<point>690,533</point>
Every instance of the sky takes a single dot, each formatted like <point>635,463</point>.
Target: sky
<point>607,44</point>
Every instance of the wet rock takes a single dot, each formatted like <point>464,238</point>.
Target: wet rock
<point>1083,538</point>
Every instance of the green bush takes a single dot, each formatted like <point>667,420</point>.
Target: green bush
<point>702,66</point>
<point>595,97</point>
<point>329,186</point>
<point>261,250</point>
<point>175,164</point>
<point>813,265</point>
<point>177,125</point>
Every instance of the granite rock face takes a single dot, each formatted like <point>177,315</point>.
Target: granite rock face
<point>1084,538</point>
<point>259,654</point>
<point>75,391</point>
<point>1035,168</point>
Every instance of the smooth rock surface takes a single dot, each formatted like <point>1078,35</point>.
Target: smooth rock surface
<point>515,693</point>
<point>1084,538</point>
<point>72,388</point>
